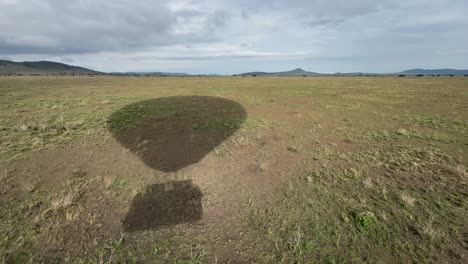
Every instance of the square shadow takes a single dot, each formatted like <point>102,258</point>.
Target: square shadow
<point>165,205</point>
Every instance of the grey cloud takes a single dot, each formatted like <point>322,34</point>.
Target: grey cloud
<point>315,12</point>
<point>339,35</point>
<point>206,57</point>
<point>325,22</point>
<point>247,45</point>
<point>56,26</point>
<point>201,58</point>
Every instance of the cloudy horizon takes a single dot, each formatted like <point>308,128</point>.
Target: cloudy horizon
<point>225,37</point>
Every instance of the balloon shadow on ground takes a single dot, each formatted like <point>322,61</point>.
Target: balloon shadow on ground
<point>169,134</point>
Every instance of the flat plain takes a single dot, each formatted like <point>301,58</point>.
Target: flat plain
<point>233,170</point>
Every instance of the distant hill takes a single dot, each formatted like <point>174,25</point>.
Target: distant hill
<point>442,72</point>
<point>41,68</point>
<point>55,68</point>
<point>301,72</point>
<point>435,72</point>
<point>296,72</point>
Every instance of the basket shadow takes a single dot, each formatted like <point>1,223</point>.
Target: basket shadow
<point>164,205</point>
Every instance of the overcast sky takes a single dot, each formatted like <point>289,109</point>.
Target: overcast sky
<point>229,36</point>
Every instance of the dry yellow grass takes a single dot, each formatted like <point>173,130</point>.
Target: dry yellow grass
<point>371,165</point>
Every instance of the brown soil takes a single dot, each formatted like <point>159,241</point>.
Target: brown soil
<point>207,200</point>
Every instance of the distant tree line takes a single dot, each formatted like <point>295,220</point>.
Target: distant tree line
<point>175,75</point>
<point>433,75</point>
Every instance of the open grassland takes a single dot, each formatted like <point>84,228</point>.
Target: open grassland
<point>233,170</point>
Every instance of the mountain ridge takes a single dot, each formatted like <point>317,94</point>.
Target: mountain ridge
<point>8,67</point>
<point>41,68</point>
<point>435,71</point>
<point>295,72</point>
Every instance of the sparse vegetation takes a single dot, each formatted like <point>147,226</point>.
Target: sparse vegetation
<point>317,170</point>
<point>335,211</point>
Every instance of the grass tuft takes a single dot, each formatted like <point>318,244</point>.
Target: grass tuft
<point>407,199</point>
<point>62,202</point>
<point>365,220</point>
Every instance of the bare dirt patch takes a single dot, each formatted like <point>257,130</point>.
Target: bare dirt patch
<point>233,170</point>
<point>118,192</point>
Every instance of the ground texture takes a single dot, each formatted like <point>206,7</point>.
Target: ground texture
<point>233,170</point>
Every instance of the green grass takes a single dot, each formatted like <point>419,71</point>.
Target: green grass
<point>379,169</point>
<point>48,125</point>
<point>332,217</point>
<point>18,242</point>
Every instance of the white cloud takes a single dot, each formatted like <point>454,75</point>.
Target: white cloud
<point>228,36</point>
